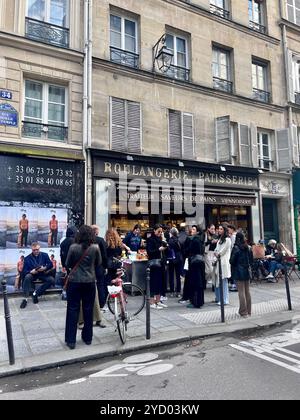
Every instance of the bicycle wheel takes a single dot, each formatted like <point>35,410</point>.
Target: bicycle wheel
<point>122,328</point>
<point>134,300</point>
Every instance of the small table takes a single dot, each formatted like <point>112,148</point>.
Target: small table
<point>137,272</point>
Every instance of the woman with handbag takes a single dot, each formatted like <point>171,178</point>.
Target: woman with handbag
<point>114,250</point>
<point>155,248</point>
<point>175,262</point>
<point>83,258</point>
<point>223,251</point>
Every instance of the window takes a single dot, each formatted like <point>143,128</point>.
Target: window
<point>181,135</point>
<point>48,21</point>
<point>221,70</point>
<point>179,67</point>
<point>219,8</point>
<point>256,15</point>
<point>260,82</point>
<point>123,41</point>
<point>296,81</point>
<point>264,151</point>
<point>293,11</point>
<point>126,133</point>
<point>45,111</point>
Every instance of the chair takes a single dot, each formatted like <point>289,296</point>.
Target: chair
<point>292,266</point>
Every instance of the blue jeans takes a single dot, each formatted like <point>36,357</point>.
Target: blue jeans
<point>225,292</point>
<point>48,281</point>
<point>274,265</point>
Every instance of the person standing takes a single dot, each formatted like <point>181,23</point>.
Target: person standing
<point>175,262</point>
<point>232,235</point>
<point>24,229</point>
<point>133,239</point>
<point>100,271</point>
<point>211,240</point>
<point>53,226</point>
<point>241,260</point>
<point>83,259</point>
<point>114,250</point>
<point>223,251</point>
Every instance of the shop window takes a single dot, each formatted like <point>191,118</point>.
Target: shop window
<point>256,9</point>
<point>293,11</point>
<point>48,21</point>
<point>45,111</point>
<point>126,134</point>
<point>181,135</point>
<point>222,78</point>
<point>124,40</point>
<point>179,68</point>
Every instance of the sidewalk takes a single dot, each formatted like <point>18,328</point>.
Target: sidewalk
<point>38,330</point>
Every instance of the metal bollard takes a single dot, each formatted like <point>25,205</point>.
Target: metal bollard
<point>221,290</point>
<point>148,326</point>
<point>9,335</point>
<point>287,286</point>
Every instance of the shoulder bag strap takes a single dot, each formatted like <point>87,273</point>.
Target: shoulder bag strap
<point>76,266</point>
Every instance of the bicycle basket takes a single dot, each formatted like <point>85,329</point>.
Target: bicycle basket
<point>114,290</point>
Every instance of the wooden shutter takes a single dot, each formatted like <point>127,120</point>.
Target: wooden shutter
<point>295,141</point>
<point>245,149</point>
<point>290,76</point>
<point>118,129</point>
<point>254,146</point>
<point>134,127</point>
<point>223,141</point>
<point>283,146</point>
<point>188,136</point>
<point>175,134</point>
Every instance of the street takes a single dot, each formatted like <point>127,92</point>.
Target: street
<point>228,367</point>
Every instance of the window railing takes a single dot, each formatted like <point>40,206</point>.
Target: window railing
<point>123,57</point>
<point>297,98</point>
<point>177,72</point>
<point>222,84</point>
<point>261,95</point>
<point>265,163</point>
<point>215,10</point>
<point>46,32</point>
<point>44,131</point>
<point>257,27</point>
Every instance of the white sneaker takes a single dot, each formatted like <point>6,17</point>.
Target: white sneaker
<point>105,308</point>
<point>270,276</point>
<point>155,306</point>
<point>161,305</point>
<point>163,298</point>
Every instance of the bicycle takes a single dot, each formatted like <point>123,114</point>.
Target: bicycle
<point>125,300</point>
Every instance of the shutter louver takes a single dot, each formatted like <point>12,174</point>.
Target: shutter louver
<point>254,146</point>
<point>295,140</point>
<point>175,134</point>
<point>283,145</point>
<point>244,145</point>
<point>223,142</point>
<point>118,132</point>
<point>290,76</point>
<point>188,136</point>
<point>134,127</point>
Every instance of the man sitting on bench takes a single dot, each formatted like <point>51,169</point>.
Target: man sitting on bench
<point>36,266</point>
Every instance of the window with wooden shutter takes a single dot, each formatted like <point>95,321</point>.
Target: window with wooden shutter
<point>223,140</point>
<point>283,145</point>
<point>295,141</point>
<point>188,136</point>
<point>118,129</point>
<point>254,145</point>
<point>175,149</point>
<point>245,150</point>
<point>134,127</point>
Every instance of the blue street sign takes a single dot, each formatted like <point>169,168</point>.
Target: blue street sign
<point>5,94</point>
<point>8,115</point>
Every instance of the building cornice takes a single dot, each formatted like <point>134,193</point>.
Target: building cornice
<point>151,77</point>
<point>292,26</point>
<point>15,41</point>
<point>38,151</point>
<point>195,8</point>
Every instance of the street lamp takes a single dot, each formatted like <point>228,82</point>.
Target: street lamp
<point>162,55</point>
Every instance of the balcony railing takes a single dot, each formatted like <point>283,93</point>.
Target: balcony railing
<point>46,32</point>
<point>126,58</point>
<point>177,72</point>
<point>261,95</point>
<point>44,131</point>
<point>265,163</point>
<point>215,10</point>
<point>257,27</point>
<point>297,98</point>
<point>222,84</point>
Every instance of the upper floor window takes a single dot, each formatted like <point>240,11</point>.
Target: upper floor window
<point>260,81</point>
<point>123,41</point>
<point>179,67</point>
<point>293,11</point>
<point>264,151</point>
<point>222,70</point>
<point>45,111</point>
<point>256,15</point>
<point>48,21</point>
<point>181,135</point>
<point>220,8</point>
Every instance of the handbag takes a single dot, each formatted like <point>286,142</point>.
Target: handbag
<point>171,254</point>
<point>67,278</point>
<point>197,259</point>
<point>156,263</point>
<point>112,264</point>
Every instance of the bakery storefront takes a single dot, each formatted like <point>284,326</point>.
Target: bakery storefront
<point>132,189</point>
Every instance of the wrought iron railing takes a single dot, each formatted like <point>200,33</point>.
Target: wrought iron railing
<point>215,10</point>
<point>261,95</point>
<point>46,32</point>
<point>123,57</point>
<point>266,164</point>
<point>44,131</point>
<point>257,27</point>
<point>222,84</point>
<point>178,72</point>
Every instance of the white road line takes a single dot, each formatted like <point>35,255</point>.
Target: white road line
<point>292,353</point>
<point>263,357</point>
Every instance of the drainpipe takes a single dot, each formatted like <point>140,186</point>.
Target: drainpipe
<point>87,108</point>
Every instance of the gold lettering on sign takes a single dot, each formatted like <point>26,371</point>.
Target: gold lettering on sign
<point>107,168</point>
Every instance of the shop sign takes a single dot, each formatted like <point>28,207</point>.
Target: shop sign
<point>8,115</point>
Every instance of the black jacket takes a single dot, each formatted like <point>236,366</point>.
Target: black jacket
<point>241,259</point>
<point>66,243</point>
<point>195,246</point>
<point>176,246</point>
<point>153,245</point>
<point>103,250</point>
